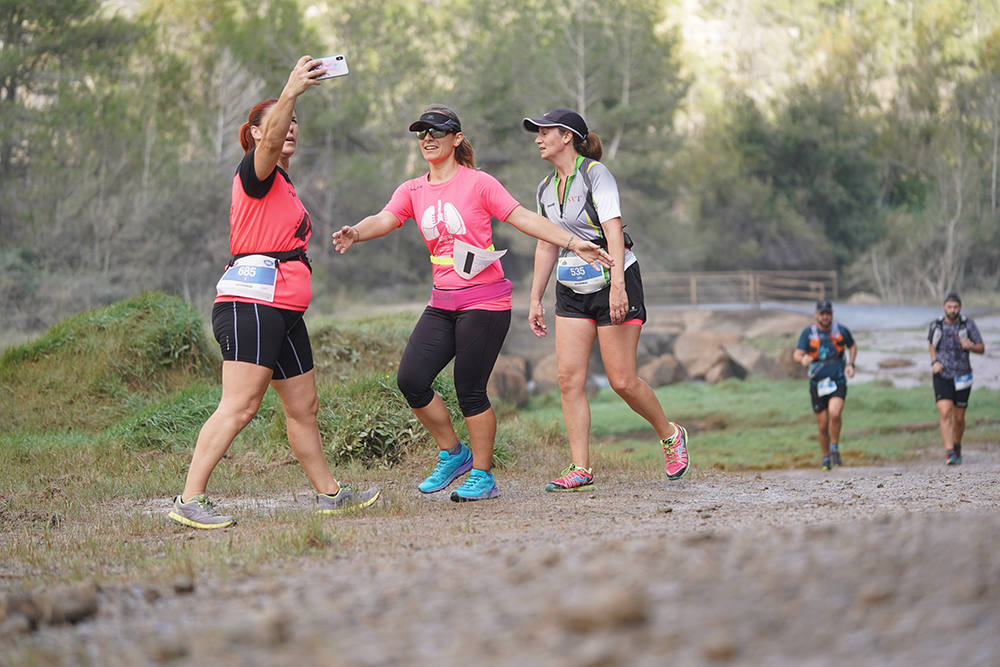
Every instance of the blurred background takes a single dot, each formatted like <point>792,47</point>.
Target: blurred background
<point>855,137</point>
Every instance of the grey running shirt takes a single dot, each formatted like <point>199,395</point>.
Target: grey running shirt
<point>572,216</point>
<point>954,359</point>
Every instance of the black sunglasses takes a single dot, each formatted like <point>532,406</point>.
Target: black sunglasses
<point>434,132</point>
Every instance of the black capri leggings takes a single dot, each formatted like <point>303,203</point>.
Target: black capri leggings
<point>472,337</point>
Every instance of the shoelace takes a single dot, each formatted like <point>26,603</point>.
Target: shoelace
<point>206,504</point>
<point>472,482</point>
<point>671,451</point>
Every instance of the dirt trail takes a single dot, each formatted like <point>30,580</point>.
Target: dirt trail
<point>894,565</point>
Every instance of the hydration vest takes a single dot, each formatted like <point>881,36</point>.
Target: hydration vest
<point>939,330</point>
<point>836,337</point>
<point>588,205</point>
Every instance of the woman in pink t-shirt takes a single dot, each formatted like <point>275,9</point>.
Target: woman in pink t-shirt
<point>469,313</point>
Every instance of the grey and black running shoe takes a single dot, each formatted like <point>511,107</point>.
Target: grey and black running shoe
<point>199,512</point>
<point>345,500</point>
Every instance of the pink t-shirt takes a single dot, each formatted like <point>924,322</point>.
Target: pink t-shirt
<point>460,208</point>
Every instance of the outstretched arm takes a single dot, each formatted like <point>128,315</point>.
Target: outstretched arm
<point>279,118</point>
<point>535,225</point>
<point>370,228</point>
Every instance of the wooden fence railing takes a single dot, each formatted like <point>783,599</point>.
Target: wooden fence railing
<point>740,286</point>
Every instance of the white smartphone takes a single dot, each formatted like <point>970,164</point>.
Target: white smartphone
<point>334,66</point>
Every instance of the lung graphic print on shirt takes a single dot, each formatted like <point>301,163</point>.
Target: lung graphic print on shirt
<point>439,219</point>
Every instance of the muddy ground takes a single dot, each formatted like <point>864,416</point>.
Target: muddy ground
<point>895,565</point>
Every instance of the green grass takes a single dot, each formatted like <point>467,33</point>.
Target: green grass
<point>760,424</point>
<point>100,416</point>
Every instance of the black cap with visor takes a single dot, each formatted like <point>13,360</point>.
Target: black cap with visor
<point>435,120</point>
<point>564,118</point>
<point>824,306</point>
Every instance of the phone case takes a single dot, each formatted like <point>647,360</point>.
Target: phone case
<point>335,66</point>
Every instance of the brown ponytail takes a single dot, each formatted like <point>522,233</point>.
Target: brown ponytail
<point>255,118</point>
<point>465,155</point>
<point>590,147</point>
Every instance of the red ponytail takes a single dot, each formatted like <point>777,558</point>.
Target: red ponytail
<point>255,119</point>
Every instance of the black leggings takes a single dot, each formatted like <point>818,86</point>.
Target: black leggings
<point>472,338</point>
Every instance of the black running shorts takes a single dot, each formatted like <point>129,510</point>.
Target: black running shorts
<point>944,390</point>
<point>263,335</point>
<point>821,403</point>
<point>596,307</point>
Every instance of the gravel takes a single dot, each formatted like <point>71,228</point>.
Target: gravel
<point>894,565</point>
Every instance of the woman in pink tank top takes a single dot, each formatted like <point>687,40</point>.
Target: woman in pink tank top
<point>257,317</point>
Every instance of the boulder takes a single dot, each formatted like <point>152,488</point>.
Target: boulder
<point>698,351</point>
<point>509,381</point>
<point>663,370</point>
<point>750,359</point>
<point>790,366</point>
<point>722,370</point>
<point>545,374</point>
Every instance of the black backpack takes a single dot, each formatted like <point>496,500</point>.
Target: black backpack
<point>588,205</point>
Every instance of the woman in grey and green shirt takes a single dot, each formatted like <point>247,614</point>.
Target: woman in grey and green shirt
<point>581,196</point>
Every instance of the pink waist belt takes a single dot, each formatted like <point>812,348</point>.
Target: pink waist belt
<point>456,299</point>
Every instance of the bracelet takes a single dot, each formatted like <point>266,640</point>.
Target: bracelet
<point>933,361</point>
<point>570,242</point>
<point>357,234</point>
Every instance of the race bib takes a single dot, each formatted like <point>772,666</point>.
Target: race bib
<point>581,277</point>
<point>251,277</point>
<point>825,387</point>
<point>963,382</point>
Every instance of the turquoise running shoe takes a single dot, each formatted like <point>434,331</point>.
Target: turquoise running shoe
<point>480,485</point>
<point>448,468</point>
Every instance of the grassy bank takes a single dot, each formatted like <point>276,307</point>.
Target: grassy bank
<point>102,412</point>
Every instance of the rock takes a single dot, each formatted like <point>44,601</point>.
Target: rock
<point>790,366</point>
<point>894,362</point>
<point>71,604</point>
<point>608,608</point>
<point>662,370</point>
<point>545,374</point>
<point>750,359</point>
<point>509,380</point>
<point>723,370</point>
<point>183,585</point>
<point>700,351</point>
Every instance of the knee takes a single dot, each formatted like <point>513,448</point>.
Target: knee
<point>624,384</point>
<point>417,392</point>
<point>571,380</point>
<point>473,403</point>
<point>305,410</point>
<point>241,411</point>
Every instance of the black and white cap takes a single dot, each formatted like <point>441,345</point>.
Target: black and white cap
<point>564,118</point>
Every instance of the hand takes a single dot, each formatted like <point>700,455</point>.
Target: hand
<point>937,367</point>
<point>849,370</point>
<point>303,75</point>
<point>345,237</point>
<point>965,343</point>
<point>618,301</point>
<point>536,319</point>
<point>590,252</point>
<point>805,360</point>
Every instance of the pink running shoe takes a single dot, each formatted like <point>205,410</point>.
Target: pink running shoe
<point>676,452</point>
<point>572,478</point>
